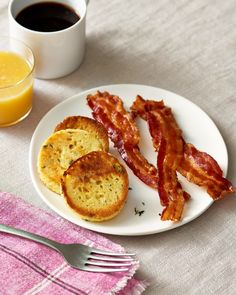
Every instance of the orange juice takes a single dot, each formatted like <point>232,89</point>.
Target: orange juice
<point>16,88</point>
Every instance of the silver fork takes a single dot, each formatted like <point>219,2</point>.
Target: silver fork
<point>80,256</point>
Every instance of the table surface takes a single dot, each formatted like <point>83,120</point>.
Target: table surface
<point>187,47</point>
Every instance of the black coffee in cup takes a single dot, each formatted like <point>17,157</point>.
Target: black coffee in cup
<point>47,17</point>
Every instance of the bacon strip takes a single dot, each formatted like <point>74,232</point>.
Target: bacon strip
<point>122,130</point>
<point>168,142</point>
<point>198,167</point>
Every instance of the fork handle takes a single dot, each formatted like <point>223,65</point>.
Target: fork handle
<point>21,233</point>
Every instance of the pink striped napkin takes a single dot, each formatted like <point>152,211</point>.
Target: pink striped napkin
<point>31,268</point>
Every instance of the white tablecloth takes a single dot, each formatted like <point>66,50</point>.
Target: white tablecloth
<point>188,47</point>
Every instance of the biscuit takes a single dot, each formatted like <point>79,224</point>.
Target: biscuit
<point>96,186</point>
<point>60,150</point>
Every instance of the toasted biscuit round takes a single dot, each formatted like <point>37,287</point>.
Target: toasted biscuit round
<point>60,150</point>
<point>96,186</point>
<point>87,124</point>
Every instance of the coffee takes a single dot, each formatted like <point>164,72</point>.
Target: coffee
<point>47,17</point>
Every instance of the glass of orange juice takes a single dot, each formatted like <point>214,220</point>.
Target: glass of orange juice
<point>16,81</point>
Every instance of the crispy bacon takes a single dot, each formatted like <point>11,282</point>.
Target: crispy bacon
<point>122,130</point>
<point>174,154</point>
<point>168,142</point>
<point>110,111</point>
<point>198,167</point>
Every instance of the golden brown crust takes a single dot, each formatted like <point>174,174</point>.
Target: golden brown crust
<point>87,124</point>
<point>96,186</point>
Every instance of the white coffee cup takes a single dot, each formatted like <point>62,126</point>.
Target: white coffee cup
<point>57,53</point>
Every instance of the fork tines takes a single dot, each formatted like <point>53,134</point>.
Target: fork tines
<point>109,261</point>
<point>98,251</point>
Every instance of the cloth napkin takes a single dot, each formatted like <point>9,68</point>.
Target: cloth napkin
<point>28,267</point>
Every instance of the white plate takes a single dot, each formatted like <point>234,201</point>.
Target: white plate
<point>198,129</point>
